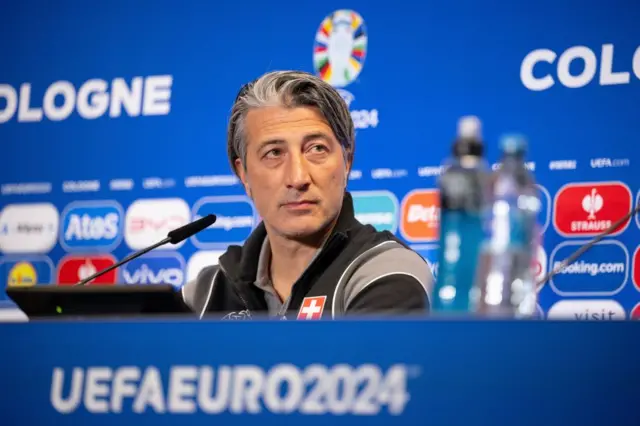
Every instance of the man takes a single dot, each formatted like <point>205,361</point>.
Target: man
<point>291,142</point>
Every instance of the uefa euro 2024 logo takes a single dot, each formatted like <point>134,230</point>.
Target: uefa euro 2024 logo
<point>339,53</point>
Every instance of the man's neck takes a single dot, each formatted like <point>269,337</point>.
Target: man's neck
<point>289,259</point>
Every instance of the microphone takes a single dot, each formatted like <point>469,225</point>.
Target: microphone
<point>575,255</point>
<point>173,237</point>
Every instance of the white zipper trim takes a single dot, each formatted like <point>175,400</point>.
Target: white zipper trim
<point>206,302</point>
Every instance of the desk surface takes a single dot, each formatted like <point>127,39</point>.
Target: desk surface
<point>287,372</point>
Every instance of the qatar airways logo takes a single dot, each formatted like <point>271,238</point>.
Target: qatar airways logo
<point>541,69</point>
<point>93,99</point>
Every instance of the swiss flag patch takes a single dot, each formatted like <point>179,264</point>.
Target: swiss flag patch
<point>311,308</point>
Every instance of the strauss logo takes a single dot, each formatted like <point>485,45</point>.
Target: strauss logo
<point>592,203</point>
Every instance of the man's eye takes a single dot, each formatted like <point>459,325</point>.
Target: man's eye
<point>319,148</point>
<point>273,153</point>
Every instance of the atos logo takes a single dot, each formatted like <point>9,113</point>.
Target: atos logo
<point>91,225</point>
<point>155,268</point>
<point>235,219</point>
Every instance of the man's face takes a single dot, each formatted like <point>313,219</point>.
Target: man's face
<point>296,170</point>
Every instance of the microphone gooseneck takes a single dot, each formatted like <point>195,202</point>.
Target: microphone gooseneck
<point>174,237</point>
<point>576,254</point>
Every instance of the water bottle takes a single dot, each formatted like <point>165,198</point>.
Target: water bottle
<point>505,278</point>
<point>462,199</point>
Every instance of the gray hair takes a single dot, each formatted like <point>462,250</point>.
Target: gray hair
<point>289,89</point>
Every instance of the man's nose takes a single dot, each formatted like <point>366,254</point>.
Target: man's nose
<point>297,176</point>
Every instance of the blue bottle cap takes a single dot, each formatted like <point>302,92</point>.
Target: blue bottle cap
<point>513,143</point>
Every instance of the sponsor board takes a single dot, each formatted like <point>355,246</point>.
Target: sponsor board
<point>420,216</point>
<point>589,208</point>
<point>91,225</point>
<point>200,260</point>
<point>544,214</point>
<point>376,208</point>
<point>587,310</point>
<point>155,268</point>
<point>235,219</point>
<point>28,228</point>
<point>635,268</point>
<point>74,267</point>
<point>603,270</point>
<point>150,220</point>
<point>24,271</point>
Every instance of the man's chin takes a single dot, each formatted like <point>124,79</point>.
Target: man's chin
<point>311,232</point>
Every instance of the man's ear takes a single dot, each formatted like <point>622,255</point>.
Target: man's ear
<point>243,176</point>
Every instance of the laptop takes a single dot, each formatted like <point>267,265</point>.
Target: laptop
<point>121,301</point>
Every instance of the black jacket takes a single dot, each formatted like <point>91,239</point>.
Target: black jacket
<point>358,270</point>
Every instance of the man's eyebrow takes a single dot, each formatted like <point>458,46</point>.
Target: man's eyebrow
<point>316,135</point>
<point>268,142</point>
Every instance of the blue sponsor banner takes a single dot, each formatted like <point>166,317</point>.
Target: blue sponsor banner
<point>155,268</point>
<point>236,218</point>
<point>328,372</point>
<point>91,225</point>
<point>23,271</point>
<point>603,270</point>
<point>430,253</point>
<point>544,215</point>
<point>377,208</point>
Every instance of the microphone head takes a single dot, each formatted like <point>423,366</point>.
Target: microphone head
<point>184,232</point>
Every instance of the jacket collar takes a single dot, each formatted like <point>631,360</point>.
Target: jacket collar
<point>240,263</point>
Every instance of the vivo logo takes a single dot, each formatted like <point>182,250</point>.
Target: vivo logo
<point>155,268</point>
<point>146,275</point>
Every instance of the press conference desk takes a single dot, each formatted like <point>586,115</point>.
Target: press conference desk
<point>404,372</point>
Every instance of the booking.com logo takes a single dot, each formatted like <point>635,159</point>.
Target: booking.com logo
<point>602,271</point>
<point>376,208</point>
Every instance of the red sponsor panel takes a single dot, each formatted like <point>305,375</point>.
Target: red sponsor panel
<point>74,268</point>
<point>635,312</point>
<point>589,208</point>
<point>635,268</point>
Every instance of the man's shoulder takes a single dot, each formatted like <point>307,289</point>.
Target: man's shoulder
<point>382,260</point>
<point>197,292</point>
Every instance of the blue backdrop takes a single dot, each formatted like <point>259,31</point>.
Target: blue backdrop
<point>113,118</point>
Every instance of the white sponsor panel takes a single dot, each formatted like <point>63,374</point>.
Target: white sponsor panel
<point>200,260</point>
<point>587,310</point>
<point>243,389</point>
<point>29,228</point>
<point>150,220</point>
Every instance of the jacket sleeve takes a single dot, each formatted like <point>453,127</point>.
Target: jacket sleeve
<point>391,282</point>
<point>196,294</point>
